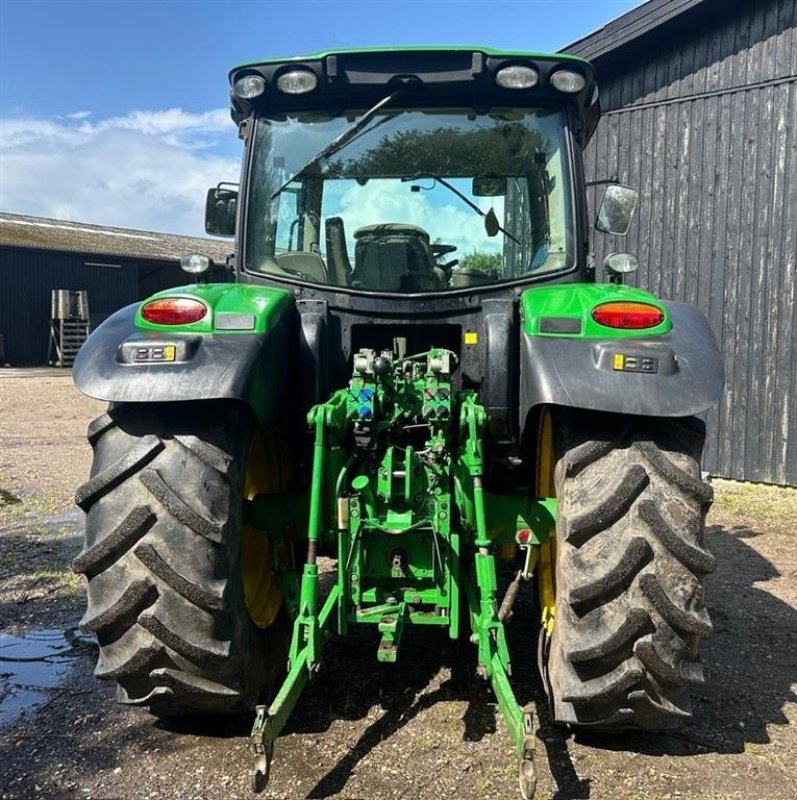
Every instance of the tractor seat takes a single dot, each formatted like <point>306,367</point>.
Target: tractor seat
<point>392,228</point>
<point>394,257</point>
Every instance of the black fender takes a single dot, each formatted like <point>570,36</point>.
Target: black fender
<point>676,374</point>
<point>252,368</point>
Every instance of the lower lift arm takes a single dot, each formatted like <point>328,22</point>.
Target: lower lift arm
<point>310,627</point>
<point>488,629</point>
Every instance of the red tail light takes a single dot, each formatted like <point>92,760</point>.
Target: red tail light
<point>628,315</point>
<point>173,311</point>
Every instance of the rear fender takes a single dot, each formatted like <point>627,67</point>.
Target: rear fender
<point>675,371</point>
<point>240,350</point>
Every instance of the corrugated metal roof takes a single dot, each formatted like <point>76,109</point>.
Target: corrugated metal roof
<point>17,230</point>
<point>629,27</point>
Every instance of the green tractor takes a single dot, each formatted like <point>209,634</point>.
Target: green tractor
<point>410,374</point>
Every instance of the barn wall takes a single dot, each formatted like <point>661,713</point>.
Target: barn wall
<point>28,276</point>
<point>702,118</point>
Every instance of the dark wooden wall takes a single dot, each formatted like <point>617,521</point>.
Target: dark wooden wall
<point>701,116</point>
<point>28,275</point>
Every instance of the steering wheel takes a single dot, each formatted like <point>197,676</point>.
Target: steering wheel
<point>440,250</point>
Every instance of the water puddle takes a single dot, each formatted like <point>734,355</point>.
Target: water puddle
<point>34,663</point>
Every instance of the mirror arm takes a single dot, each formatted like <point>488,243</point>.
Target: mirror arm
<point>602,181</point>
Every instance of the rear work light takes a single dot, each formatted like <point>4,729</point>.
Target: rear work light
<point>517,77</point>
<point>173,311</point>
<point>297,81</point>
<point>568,81</point>
<point>628,315</point>
<point>249,86</point>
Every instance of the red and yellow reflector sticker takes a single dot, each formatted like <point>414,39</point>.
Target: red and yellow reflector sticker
<point>638,362</point>
<point>152,353</point>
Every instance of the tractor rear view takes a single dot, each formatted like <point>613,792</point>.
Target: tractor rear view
<point>414,373</point>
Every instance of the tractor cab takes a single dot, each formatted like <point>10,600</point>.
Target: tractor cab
<point>410,173</point>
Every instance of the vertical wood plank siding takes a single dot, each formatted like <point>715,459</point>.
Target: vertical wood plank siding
<point>704,123</point>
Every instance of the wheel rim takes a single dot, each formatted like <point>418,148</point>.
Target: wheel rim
<point>546,563</point>
<point>545,487</point>
<point>261,592</point>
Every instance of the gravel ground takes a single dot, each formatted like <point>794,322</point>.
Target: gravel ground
<point>424,728</point>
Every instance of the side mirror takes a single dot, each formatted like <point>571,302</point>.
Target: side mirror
<point>617,209</point>
<point>489,187</point>
<point>221,207</point>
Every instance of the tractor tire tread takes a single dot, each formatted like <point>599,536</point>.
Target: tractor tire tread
<point>693,557</point>
<point>213,456</point>
<point>142,660</point>
<point>638,554</point>
<point>102,483</point>
<point>181,511</point>
<point>97,558</point>
<point>97,427</point>
<point>195,653</point>
<point>633,626</point>
<point>687,673</point>
<point>609,509</point>
<point>677,618</point>
<point>138,595</point>
<point>624,649</point>
<point>162,558</point>
<point>198,595</point>
<point>698,489</point>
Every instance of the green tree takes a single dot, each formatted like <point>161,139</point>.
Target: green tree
<point>482,261</point>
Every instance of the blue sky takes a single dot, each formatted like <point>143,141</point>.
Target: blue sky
<point>114,112</point>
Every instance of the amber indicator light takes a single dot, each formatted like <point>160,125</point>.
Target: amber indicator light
<point>173,311</point>
<point>628,315</point>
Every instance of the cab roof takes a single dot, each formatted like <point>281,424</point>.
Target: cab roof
<point>427,76</point>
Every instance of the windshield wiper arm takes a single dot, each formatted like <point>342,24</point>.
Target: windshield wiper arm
<point>341,140</point>
<point>462,197</point>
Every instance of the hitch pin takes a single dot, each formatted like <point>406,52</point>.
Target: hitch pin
<point>264,751</point>
<point>527,774</point>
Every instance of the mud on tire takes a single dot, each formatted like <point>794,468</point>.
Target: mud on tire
<point>162,558</point>
<point>630,565</point>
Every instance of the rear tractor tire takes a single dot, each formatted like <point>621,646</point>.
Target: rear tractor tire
<point>624,650</point>
<point>164,555</point>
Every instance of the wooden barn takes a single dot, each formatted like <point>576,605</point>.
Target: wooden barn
<point>699,102</point>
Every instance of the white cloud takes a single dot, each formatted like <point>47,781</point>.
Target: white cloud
<point>438,211</point>
<point>147,169</point>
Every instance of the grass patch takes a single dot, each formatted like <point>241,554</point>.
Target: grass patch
<point>751,503</point>
<point>63,582</point>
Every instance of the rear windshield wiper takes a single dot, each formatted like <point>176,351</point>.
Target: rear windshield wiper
<point>341,140</point>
